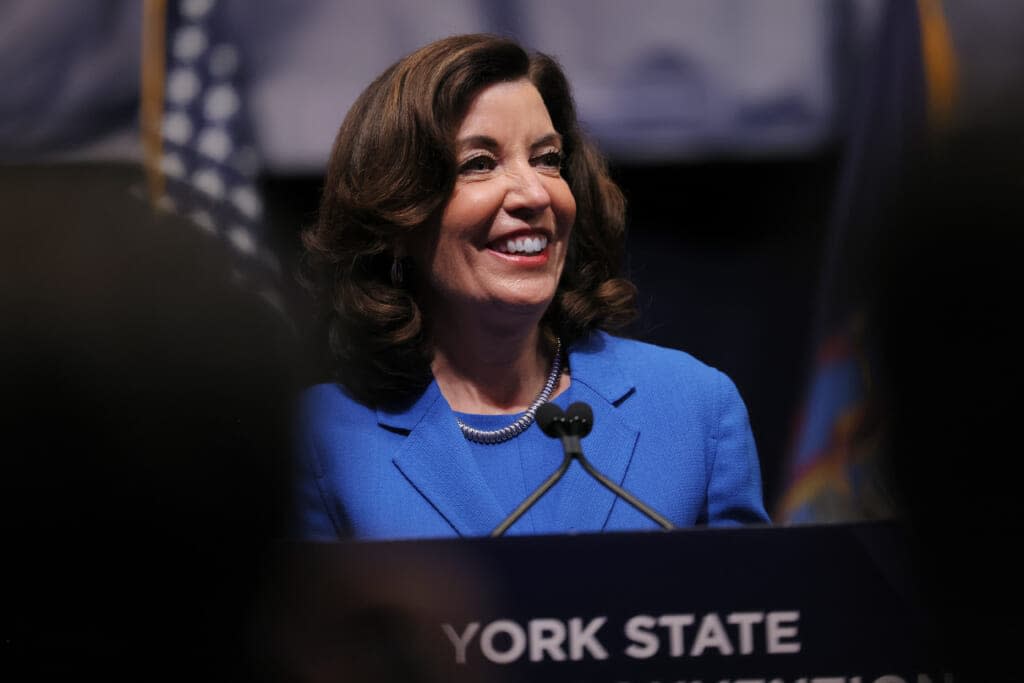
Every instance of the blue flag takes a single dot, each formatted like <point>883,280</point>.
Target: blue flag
<point>835,470</point>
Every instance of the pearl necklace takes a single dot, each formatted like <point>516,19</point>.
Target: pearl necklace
<point>519,426</point>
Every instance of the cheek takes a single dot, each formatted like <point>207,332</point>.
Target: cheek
<point>467,210</point>
<point>564,205</point>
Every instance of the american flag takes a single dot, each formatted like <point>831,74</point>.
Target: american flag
<point>201,158</point>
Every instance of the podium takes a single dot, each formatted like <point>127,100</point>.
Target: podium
<point>825,604</point>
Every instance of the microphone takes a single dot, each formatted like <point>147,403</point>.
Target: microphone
<point>570,427</point>
<point>578,421</point>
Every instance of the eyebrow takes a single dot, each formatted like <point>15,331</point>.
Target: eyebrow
<point>550,138</point>
<point>489,143</point>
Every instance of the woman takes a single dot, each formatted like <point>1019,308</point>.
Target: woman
<point>466,259</point>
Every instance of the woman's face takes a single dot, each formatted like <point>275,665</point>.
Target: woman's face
<point>504,231</point>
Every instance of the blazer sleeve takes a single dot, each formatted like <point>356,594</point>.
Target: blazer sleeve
<point>734,494</point>
<point>312,517</point>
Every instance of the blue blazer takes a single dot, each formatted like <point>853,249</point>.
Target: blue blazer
<point>669,429</point>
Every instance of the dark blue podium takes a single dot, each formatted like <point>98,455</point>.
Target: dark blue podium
<point>824,604</point>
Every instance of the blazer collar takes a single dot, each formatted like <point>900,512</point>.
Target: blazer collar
<point>597,363</point>
<point>437,461</point>
<point>405,418</point>
<point>601,378</point>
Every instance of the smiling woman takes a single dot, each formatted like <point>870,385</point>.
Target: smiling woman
<point>495,261</point>
<point>466,261</point>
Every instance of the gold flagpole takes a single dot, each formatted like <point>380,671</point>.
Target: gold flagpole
<point>153,74</point>
<point>940,64</point>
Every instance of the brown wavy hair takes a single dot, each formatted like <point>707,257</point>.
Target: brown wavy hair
<point>391,171</point>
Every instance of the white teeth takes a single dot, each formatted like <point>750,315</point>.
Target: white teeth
<point>524,245</point>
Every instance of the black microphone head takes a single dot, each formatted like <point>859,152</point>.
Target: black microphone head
<point>548,419</point>
<point>581,418</point>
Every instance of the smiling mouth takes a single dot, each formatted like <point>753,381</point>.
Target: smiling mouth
<point>521,246</point>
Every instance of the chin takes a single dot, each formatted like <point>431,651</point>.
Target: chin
<point>524,303</point>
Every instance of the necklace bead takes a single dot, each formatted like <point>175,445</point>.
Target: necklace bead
<point>513,430</point>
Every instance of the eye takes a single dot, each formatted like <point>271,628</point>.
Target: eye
<point>478,164</point>
<point>549,160</point>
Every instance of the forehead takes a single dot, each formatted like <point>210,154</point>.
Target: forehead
<point>506,108</point>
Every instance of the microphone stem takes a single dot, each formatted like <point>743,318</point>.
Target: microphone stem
<point>572,448</point>
<point>533,497</point>
<point>626,495</point>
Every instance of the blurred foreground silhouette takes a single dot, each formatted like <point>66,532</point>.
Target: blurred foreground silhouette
<point>947,281</point>
<point>146,399</point>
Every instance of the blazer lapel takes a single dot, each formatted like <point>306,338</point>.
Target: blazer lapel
<point>599,380</point>
<point>437,462</point>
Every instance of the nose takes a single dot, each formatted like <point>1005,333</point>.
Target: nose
<point>526,193</point>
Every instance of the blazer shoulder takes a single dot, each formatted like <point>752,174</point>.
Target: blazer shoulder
<point>652,364</point>
<point>330,403</point>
